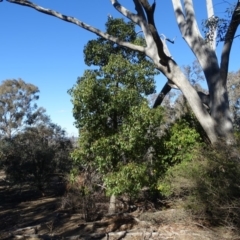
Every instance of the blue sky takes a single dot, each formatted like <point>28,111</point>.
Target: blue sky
<point>48,52</point>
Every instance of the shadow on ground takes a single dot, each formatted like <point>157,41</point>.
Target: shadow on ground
<point>27,214</point>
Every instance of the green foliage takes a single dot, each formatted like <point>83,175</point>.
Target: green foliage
<point>129,178</point>
<point>31,148</point>
<point>120,136</point>
<point>135,143</point>
<point>17,107</point>
<point>181,138</point>
<point>34,155</point>
<point>208,184</point>
<point>97,52</point>
<point>220,24</point>
<point>179,148</point>
<point>115,123</point>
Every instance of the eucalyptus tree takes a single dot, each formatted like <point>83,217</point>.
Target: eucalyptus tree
<point>217,121</point>
<point>18,108</point>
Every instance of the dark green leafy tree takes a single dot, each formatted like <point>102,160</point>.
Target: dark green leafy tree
<point>35,155</point>
<point>17,107</point>
<point>217,122</point>
<point>118,130</point>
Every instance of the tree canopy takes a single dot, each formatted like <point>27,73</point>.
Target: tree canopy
<point>32,148</point>
<point>117,128</point>
<point>217,122</point>
<point>18,108</point>
<point>35,155</point>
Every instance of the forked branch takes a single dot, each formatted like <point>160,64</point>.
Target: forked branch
<point>149,10</point>
<point>232,28</point>
<point>165,90</point>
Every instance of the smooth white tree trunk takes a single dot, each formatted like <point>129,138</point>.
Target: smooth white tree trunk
<point>217,122</point>
<point>112,205</point>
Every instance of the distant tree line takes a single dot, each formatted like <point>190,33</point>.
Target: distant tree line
<point>32,148</point>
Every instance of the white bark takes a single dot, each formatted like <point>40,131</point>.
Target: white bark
<point>213,29</point>
<point>186,23</point>
<point>112,205</point>
<point>209,124</point>
<point>210,10</point>
<point>141,21</point>
<point>207,58</point>
<point>78,23</point>
<point>218,123</point>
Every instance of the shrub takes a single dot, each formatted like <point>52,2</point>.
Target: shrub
<point>32,157</point>
<point>209,184</point>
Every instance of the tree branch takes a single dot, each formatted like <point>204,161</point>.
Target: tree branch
<point>78,23</point>
<point>165,90</point>
<point>213,28</point>
<point>139,9</point>
<point>154,43</point>
<point>232,28</point>
<point>204,98</point>
<point>177,7</point>
<point>165,48</point>
<point>149,10</point>
<point>187,24</point>
<point>191,19</point>
<point>147,25</point>
<point>136,18</point>
<point>139,19</point>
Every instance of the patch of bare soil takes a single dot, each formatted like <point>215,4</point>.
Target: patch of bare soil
<point>28,215</point>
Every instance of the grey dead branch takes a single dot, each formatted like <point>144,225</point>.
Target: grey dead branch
<point>216,121</point>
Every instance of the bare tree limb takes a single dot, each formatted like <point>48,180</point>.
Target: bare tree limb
<point>213,28</point>
<point>78,23</point>
<point>204,98</point>
<point>133,17</point>
<point>232,28</point>
<point>153,40</point>
<point>177,7</point>
<point>166,50</point>
<point>139,9</point>
<point>140,19</point>
<point>204,52</point>
<point>190,18</point>
<point>165,90</point>
<point>187,24</point>
<point>149,10</point>
<point>171,41</point>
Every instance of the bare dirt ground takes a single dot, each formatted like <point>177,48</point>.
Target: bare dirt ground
<point>28,215</point>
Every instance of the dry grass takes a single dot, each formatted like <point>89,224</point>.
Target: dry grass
<point>53,222</point>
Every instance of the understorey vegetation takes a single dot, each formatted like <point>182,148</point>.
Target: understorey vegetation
<point>137,151</point>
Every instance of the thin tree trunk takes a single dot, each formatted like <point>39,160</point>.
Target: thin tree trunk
<point>112,205</point>
<point>165,90</point>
